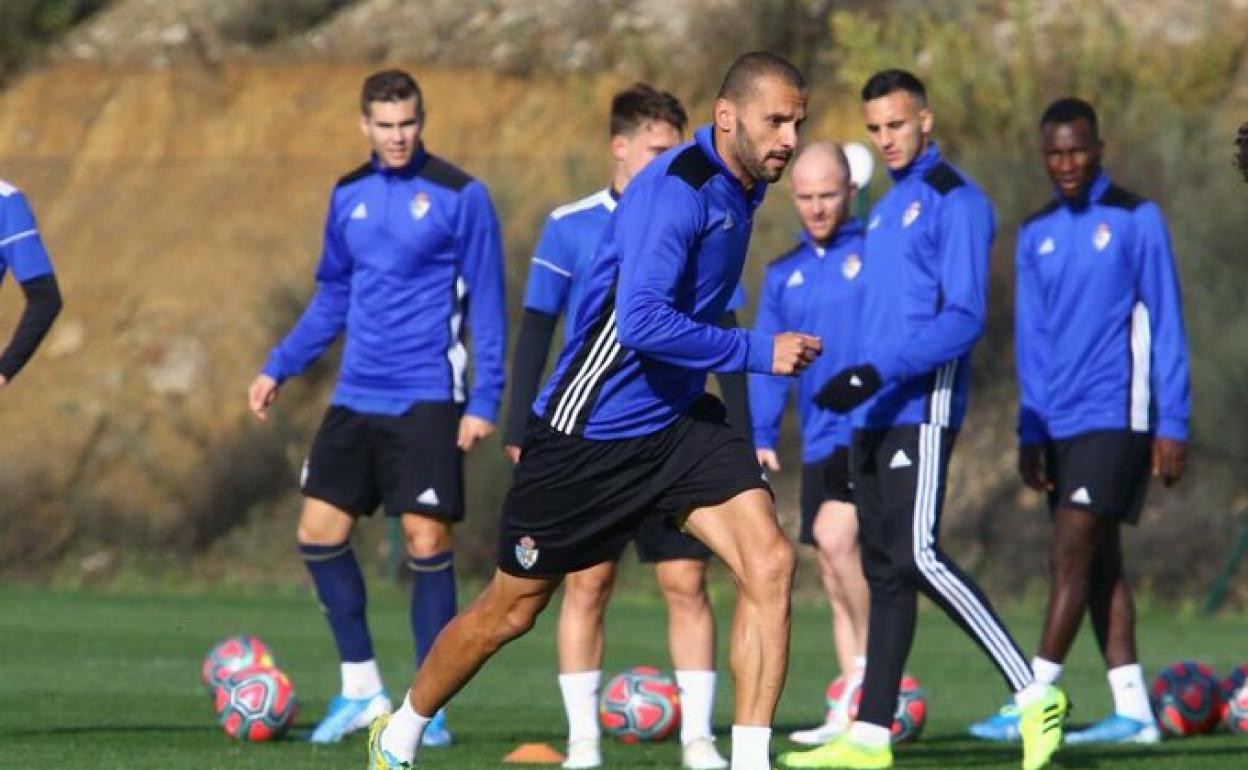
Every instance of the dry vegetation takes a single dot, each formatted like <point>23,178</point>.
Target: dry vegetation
<point>180,154</point>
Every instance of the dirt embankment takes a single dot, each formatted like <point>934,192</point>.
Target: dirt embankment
<point>183,210</point>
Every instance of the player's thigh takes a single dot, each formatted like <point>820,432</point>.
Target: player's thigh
<point>1102,472</point>
<point>823,481</point>
<point>744,532</point>
<point>835,530</point>
<point>590,588</point>
<point>339,469</point>
<point>420,467</point>
<point>511,603</point>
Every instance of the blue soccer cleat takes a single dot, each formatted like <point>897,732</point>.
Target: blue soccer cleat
<point>1001,726</point>
<point>436,735</point>
<point>1116,728</point>
<point>347,715</point>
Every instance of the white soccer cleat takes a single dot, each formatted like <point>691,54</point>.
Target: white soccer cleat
<point>833,727</point>
<point>583,754</point>
<point>701,754</point>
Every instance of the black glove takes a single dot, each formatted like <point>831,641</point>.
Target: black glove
<point>849,387</point>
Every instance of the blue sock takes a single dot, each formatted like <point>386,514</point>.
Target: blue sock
<point>340,587</point>
<point>433,598</point>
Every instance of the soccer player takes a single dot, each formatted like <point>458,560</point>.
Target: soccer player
<point>624,429</point>
<point>1103,374</point>
<point>644,123</point>
<point>22,251</point>
<point>411,243</point>
<point>925,282</point>
<point>815,288</point>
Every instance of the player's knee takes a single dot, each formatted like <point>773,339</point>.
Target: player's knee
<point>769,568</point>
<point>588,590</point>
<point>685,591</point>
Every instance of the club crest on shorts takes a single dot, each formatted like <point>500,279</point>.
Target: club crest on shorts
<point>1102,236</point>
<point>526,552</point>
<point>851,267</point>
<point>420,205</point>
<point>912,213</point>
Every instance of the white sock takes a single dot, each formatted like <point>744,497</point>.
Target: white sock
<point>697,698</point>
<point>751,747</point>
<point>580,704</point>
<point>402,734</point>
<point>1130,693</point>
<point>1030,694</point>
<point>1045,671</point>
<point>869,735</point>
<point>860,666</point>
<point>361,680</point>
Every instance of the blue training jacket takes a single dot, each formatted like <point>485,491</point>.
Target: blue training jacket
<point>21,248</point>
<point>1099,331</point>
<point>644,336</point>
<point>560,264</point>
<point>813,289</point>
<point>925,286</point>
<point>407,252</point>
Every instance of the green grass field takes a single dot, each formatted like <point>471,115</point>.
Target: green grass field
<point>111,680</point>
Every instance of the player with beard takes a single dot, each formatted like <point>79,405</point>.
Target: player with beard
<point>624,427</point>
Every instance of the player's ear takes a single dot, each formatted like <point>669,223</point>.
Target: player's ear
<point>619,147</point>
<point>926,120</point>
<point>725,115</point>
<point>364,124</point>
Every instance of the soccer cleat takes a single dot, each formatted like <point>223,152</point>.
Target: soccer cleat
<point>1001,726</point>
<point>436,735</point>
<point>840,754</point>
<point>583,754</point>
<point>1040,724</point>
<point>1116,728</point>
<point>379,758</point>
<point>833,727</point>
<point>346,715</point>
<point>701,754</point>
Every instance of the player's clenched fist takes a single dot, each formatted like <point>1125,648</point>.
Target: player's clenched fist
<point>792,352</point>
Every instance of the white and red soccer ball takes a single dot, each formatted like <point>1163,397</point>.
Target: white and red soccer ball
<point>1186,698</point>
<point>640,704</point>
<point>908,719</point>
<point>254,699</point>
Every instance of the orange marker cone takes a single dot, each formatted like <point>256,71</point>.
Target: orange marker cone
<point>534,754</point>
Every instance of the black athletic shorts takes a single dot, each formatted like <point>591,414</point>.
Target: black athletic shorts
<point>409,463</point>
<point>1104,472</point>
<point>576,502</point>
<point>822,481</point>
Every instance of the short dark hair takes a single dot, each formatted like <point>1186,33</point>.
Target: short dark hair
<point>1241,158</point>
<point>886,82</point>
<point>751,67</point>
<point>1068,109</point>
<point>391,86</point>
<point>641,102</point>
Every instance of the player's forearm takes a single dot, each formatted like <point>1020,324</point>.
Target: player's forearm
<point>532,347</point>
<point>949,336</point>
<point>43,304</point>
<point>322,321</point>
<point>655,329</point>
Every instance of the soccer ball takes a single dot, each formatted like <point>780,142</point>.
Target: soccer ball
<point>256,703</point>
<point>908,719</point>
<point>231,654</point>
<point>1236,719</point>
<point>911,712</point>
<point>640,704</point>
<point>1185,698</point>
<point>1229,687</point>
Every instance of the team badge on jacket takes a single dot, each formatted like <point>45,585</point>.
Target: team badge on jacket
<point>1102,236</point>
<point>851,266</point>
<point>912,213</point>
<point>526,552</point>
<point>420,205</point>
<point>1047,246</point>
